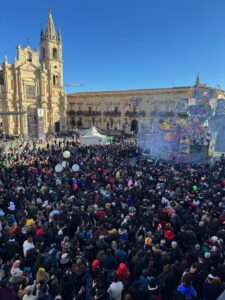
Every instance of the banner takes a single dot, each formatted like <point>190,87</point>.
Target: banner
<point>35,122</point>
<point>32,123</point>
<point>40,124</point>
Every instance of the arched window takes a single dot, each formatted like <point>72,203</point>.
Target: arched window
<point>29,57</point>
<point>79,123</point>
<point>55,80</point>
<point>43,52</point>
<point>54,53</point>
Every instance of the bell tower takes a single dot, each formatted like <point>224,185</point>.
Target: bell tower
<point>52,65</point>
<point>51,52</point>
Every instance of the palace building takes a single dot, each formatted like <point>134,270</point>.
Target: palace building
<point>33,101</point>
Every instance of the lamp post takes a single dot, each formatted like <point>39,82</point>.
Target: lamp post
<point>66,156</point>
<point>65,164</point>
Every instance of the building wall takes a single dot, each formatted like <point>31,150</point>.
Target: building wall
<point>117,110</point>
<point>31,83</point>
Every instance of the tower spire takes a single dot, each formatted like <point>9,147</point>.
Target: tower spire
<point>50,28</point>
<point>197,81</point>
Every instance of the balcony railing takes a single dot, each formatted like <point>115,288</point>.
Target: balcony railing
<point>80,113</point>
<point>135,114</point>
<point>112,113</point>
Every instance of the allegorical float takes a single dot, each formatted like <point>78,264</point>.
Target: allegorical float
<point>191,134</point>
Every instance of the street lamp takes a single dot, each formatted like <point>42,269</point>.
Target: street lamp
<point>66,154</point>
<point>65,164</point>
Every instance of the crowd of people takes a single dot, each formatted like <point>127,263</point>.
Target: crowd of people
<point>119,228</point>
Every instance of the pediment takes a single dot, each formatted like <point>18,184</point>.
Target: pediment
<point>30,67</point>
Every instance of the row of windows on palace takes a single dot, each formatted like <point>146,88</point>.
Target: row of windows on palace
<point>94,107</point>
<point>109,125</point>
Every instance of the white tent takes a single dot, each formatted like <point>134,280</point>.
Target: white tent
<point>93,137</point>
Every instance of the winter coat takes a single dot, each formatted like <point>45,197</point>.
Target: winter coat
<point>7,293</point>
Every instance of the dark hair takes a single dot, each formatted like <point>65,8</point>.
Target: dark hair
<point>114,277</point>
<point>186,280</point>
<point>4,283</point>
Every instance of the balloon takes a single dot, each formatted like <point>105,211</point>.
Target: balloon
<point>65,164</point>
<point>195,188</point>
<point>75,168</point>
<point>203,178</point>
<point>58,168</point>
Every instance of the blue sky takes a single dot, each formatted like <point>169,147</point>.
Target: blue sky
<point>125,44</point>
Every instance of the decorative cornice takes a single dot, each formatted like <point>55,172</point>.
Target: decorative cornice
<point>132,92</point>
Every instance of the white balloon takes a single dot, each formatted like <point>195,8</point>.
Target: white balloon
<point>75,168</point>
<point>66,154</point>
<point>65,164</point>
<point>58,168</point>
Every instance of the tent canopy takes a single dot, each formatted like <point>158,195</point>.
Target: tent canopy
<point>93,131</point>
<point>93,137</point>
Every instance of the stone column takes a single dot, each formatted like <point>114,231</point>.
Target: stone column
<point>24,125</point>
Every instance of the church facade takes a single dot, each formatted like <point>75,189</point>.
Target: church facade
<point>33,101</point>
<point>32,87</point>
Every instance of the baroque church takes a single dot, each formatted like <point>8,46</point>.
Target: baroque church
<point>33,101</point>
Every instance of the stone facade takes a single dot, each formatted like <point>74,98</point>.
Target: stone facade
<point>32,83</point>
<point>123,110</point>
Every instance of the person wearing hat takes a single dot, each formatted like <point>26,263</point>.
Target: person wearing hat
<point>153,288</point>
<point>16,272</point>
<point>64,260</point>
<point>42,276</point>
<point>123,273</point>
<point>12,247</point>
